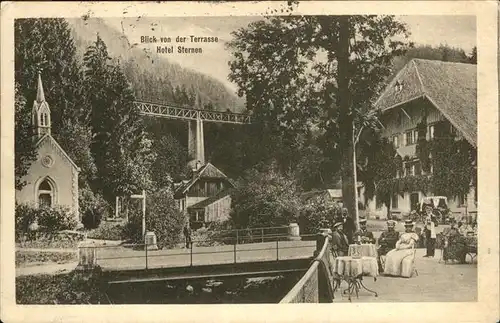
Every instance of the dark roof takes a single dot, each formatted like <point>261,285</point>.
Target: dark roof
<point>206,171</point>
<point>210,200</point>
<point>450,87</point>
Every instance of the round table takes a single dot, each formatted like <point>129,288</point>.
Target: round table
<point>363,250</point>
<point>352,270</point>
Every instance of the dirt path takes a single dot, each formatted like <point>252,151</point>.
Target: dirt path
<point>48,268</point>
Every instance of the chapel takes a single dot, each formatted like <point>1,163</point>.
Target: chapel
<point>52,178</point>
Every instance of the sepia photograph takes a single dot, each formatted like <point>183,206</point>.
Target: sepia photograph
<point>270,158</point>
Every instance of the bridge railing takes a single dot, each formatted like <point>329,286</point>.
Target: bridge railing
<point>316,286</point>
<point>140,256</point>
<point>248,235</point>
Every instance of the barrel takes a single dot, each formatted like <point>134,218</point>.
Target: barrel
<point>150,241</point>
<point>293,232</point>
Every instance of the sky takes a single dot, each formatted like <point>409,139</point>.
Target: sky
<point>455,31</point>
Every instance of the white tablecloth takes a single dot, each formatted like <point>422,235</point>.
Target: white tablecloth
<point>352,267</point>
<point>363,250</point>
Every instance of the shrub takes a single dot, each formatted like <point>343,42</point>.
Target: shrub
<point>162,217</point>
<point>57,218</point>
<point>25,215</point>
<point>318,214</point>
<point>264,199</point>
<point>93,208</point>
<point>53,219</point>
<point>108,231</point>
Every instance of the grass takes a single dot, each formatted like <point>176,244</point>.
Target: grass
<point>72,288</point>
<point>48,244</point>
<point>26,258</point>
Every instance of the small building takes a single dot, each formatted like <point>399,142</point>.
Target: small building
<point>206,197</point>
<point>444,93</point>
<point>52,178</point>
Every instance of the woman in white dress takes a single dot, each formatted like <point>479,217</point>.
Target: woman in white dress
<point>399,261</point>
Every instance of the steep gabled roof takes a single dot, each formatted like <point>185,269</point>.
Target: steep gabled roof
<point>58,147</point>
<point>206,171</point>
<point>450,87</point>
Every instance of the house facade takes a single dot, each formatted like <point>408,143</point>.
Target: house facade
<point>52,178</point>
<point>206,197</point>
<point>442,93</point>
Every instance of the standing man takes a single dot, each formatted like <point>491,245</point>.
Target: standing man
<point>348,226</point>
<point>430,233</point>
<point>187,235</point>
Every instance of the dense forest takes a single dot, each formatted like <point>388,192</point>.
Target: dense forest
<point>91,80</point>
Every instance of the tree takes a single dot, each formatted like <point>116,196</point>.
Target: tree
<point>46,46</point>
<point>120,148</point>
<point>381,164</point>
<point>473,56</point>
<point>297,72</point>
<point>264,198</point>
<point>25,142</point>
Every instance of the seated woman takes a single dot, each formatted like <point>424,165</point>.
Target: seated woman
<point>399,261</point>
<point>455,247</point>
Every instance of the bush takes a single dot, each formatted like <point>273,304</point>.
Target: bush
<point>318,214</point>
<point>57,218</point>
<point>25,215</point>
<point>53,219</point>
<point>265,199</point>
<point>93,208</point>
<point>108,231</point>
<point>162,217</point>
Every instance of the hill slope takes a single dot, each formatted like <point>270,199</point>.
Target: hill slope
<point>154,78</point>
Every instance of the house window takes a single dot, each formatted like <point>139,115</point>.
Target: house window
<point>417,169</point>
<point>411,137</point>
<point>394,203</point>
<point>431,131</point>
<point>395,141</point>
<point>462,199</point>
<point>409,169</point>
<point>378,203</point>
<point>45,194</point>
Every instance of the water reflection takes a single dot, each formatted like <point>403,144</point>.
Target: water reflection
<point>220,291</point>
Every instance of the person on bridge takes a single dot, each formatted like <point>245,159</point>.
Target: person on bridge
<point>340,243</point>
<point>348,226</point>
<point>363,235</point>
<point>187,235</point>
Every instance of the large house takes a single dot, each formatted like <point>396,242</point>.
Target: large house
<point>206,196</point>
<point>446,93</point>
<point>52,178</point>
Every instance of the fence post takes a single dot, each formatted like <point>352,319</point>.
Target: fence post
<point>236,236</point>
<point>191,254</point>
<point>234,252</point>
<point>146,248</point>
<point>262,234</point>
<point>277,249</point>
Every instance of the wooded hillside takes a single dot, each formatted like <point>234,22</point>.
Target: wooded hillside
<point>153,78</point>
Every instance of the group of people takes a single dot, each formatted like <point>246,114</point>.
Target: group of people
<point>457,240</point>
<point>397,249</point>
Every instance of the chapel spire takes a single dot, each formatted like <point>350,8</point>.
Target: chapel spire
<point>40,96</point>
<point>41,111</point>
